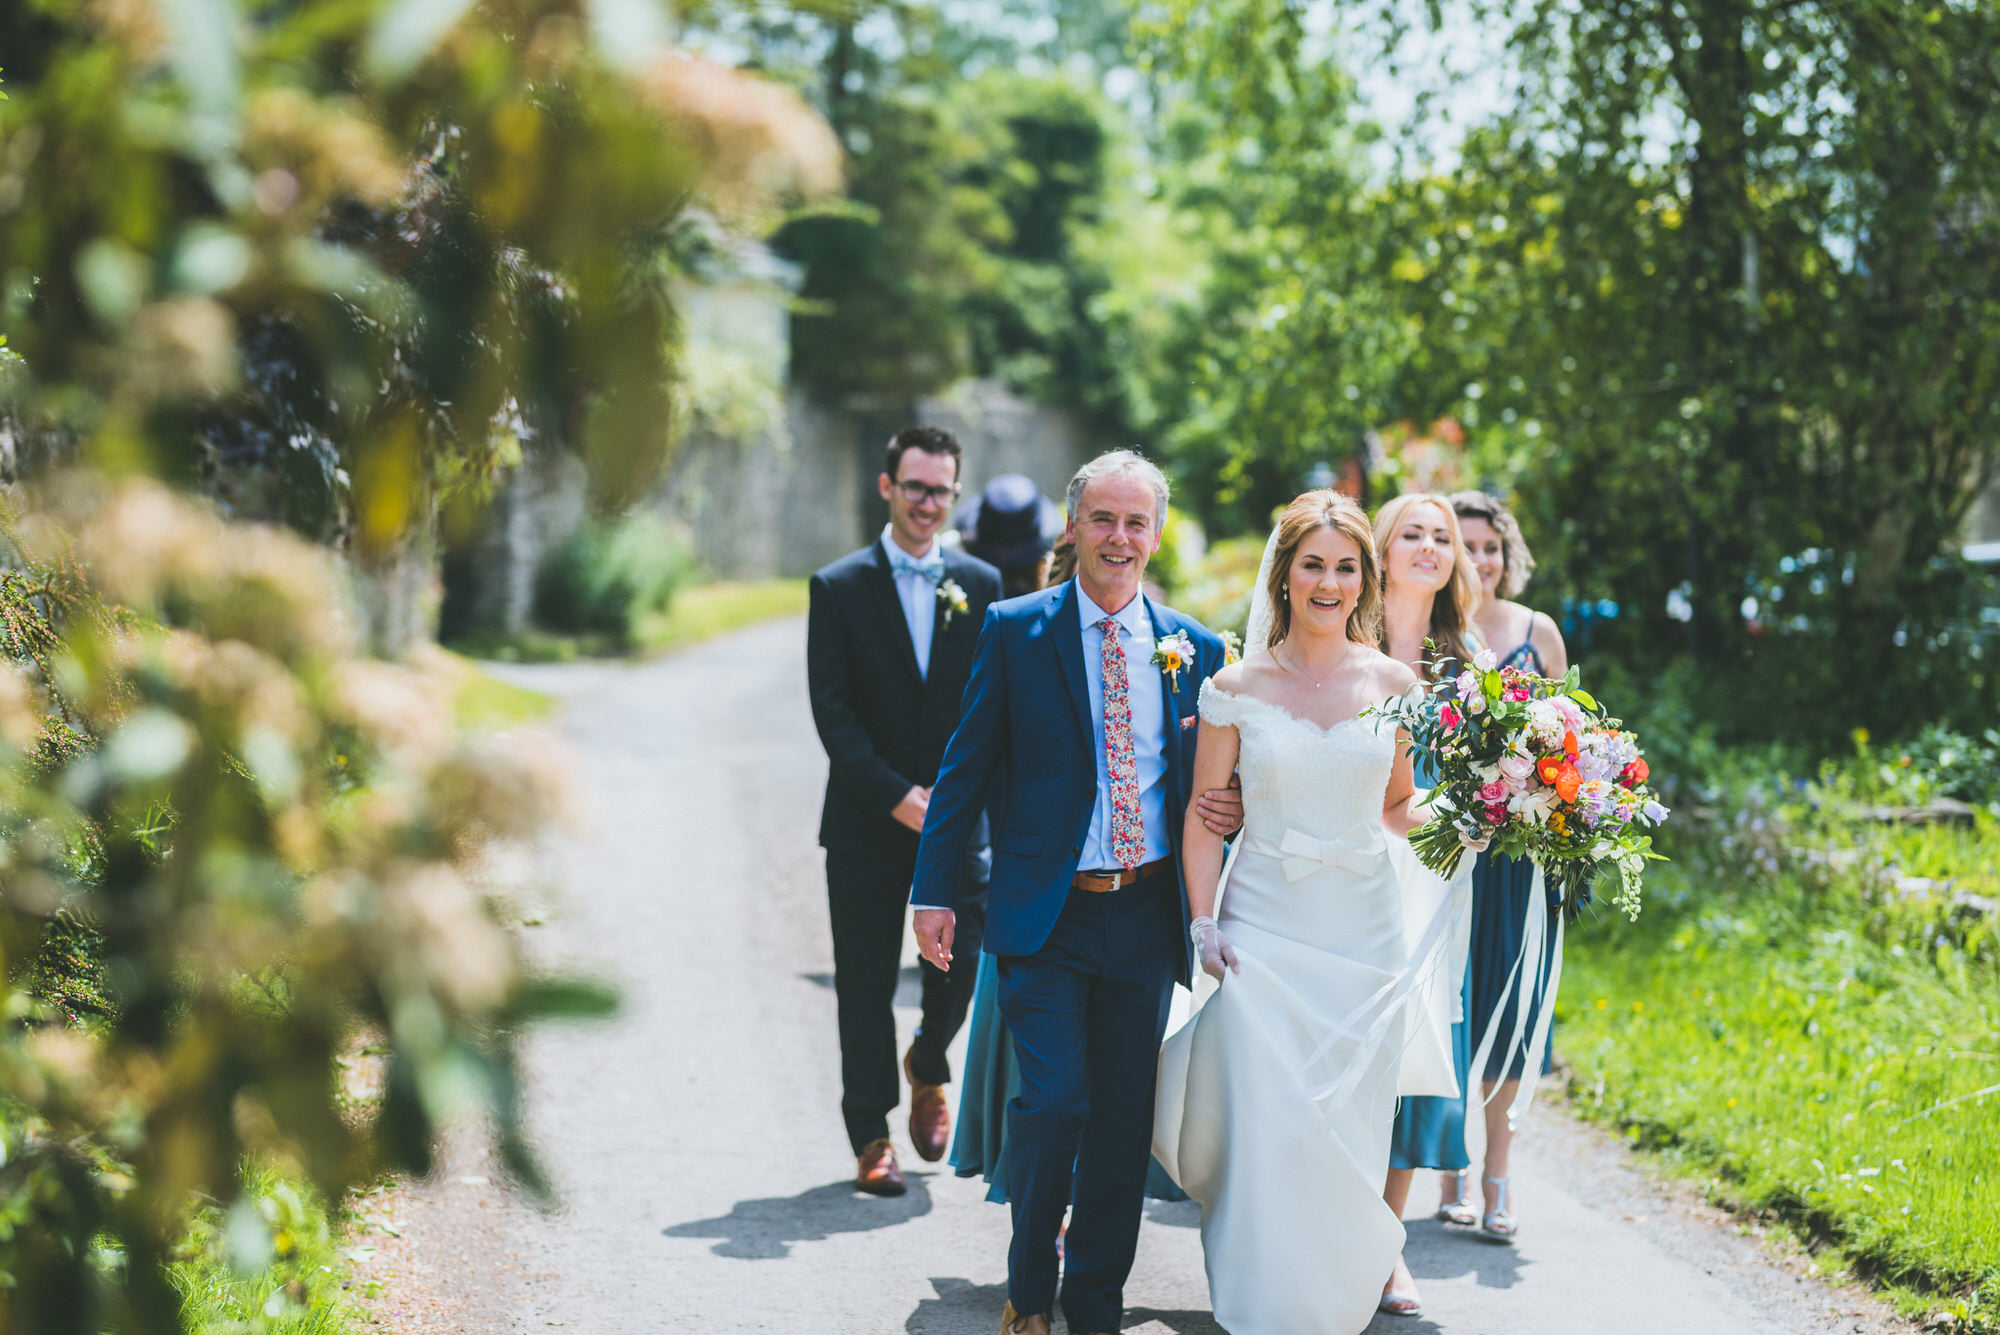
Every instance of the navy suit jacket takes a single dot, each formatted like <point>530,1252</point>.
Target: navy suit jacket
<point>883,723</point>
<point>1027,721</point>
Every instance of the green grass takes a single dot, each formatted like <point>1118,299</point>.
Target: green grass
<point>713,609</point>
<point>697,614</point>
<point>483,702</point>
<point>1757,1032</point>
<point>292,1278</point>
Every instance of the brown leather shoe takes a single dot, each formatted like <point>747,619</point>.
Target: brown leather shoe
<point>1013,1323</point>
<point>878,1174</point>
<point>930,1115</point>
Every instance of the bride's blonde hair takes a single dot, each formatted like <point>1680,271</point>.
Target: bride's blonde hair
<point>1302,518</point>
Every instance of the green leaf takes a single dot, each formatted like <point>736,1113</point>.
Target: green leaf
<point>568,998</point>
<point>406,34</point>
<point>204,55</point>
<point>210,259</point>
<point>150,746</point>
<point>1583,697</point>
<point>628,33</point>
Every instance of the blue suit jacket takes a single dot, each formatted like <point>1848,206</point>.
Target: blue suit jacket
<point>1027,719</point>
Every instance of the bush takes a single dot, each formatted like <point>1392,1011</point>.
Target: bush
<point>234,846</point>
<point>610,575</point>
<point>1218,594</point>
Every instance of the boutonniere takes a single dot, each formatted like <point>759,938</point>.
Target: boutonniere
<point>1171,654</point>
<point>1232,647</point>
<point>952,599</point>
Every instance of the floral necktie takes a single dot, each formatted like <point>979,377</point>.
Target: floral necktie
<point>1128,828</point>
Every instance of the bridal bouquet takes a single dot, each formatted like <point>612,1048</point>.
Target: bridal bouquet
<point>1533,767</point>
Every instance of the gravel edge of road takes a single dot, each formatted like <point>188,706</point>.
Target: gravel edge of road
<point>1675,1210</point>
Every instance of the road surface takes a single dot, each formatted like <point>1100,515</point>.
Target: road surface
<point>697,1141</point>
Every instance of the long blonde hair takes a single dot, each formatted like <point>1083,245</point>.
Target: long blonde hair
<point>1452,607</point>
<point>1308,515</point>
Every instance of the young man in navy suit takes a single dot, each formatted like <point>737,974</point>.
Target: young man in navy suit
<point>1092,742</point>
<point>889,643</point>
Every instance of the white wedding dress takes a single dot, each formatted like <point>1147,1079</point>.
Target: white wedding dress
<point>1276,1099</point>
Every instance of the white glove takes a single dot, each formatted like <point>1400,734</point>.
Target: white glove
<point>1213,947</point>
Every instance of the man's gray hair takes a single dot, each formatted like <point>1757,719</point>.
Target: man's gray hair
<point>1119,461</point>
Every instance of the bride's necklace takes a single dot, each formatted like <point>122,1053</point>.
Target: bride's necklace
<point>1301,671</point>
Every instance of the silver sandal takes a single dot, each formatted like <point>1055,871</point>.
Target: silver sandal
<point>1464,1211</point>
<point>1499,1224</point>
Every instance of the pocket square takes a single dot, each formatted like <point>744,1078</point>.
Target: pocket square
<point>1188,723</point>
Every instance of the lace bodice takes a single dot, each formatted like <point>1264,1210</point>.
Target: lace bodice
<point>1298,775</point>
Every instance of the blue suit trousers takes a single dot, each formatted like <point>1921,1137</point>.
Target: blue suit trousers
<point>1087,1012</point>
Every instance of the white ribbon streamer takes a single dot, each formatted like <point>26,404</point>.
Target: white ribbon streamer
<point>1391,998</point>
<point>1539,975</point>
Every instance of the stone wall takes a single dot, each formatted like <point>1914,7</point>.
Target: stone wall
<point>783,501</point>
<point>787,507</point>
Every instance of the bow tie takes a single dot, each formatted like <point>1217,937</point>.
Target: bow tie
<point>902,563</point>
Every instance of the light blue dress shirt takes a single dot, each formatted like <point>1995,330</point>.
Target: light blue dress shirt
<point>1149,741</point>
<point>918,594</point>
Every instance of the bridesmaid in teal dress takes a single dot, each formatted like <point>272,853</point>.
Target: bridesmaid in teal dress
<point>1501,885</point>
<point>1429,595</point>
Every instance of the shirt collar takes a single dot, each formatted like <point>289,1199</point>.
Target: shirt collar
<point>889,544</point>
<point>1134,620</point>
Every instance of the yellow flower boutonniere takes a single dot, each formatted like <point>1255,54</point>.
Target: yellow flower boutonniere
<point>1171,655</point>
<point>952,599</point>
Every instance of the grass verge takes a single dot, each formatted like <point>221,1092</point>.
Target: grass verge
<point>1847,1085</point>
<point>697,614</point>
<point>482,702</point>
<point>276,1269</point>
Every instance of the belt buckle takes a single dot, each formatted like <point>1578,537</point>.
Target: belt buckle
<point>1117,879</point>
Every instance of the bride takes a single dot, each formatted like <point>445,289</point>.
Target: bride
<point>1276,1099</point>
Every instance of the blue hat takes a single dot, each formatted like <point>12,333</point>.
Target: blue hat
<point>1009,523</point>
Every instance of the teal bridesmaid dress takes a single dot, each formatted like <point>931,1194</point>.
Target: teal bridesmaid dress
<point>1430,1131</point>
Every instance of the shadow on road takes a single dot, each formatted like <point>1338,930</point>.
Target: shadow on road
<point>1180,1323</point>
<point>960,1308</point>
<point>1384,1324</point>
<point>1435,1252</point>
<point>909,985</point>
<point>1174,1214</point>
<point>964,1308</point>
<point>764,1230</point>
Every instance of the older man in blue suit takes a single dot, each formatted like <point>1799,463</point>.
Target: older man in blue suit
<point>1072,704</point>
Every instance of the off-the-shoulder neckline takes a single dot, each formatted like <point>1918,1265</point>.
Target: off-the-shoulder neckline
<point>1325,729</point>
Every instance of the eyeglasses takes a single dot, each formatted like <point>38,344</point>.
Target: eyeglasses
<point>916,493</point>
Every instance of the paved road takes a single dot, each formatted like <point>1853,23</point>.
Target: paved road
<point>697,1139</point>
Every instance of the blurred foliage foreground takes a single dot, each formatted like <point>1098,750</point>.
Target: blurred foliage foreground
<point>275,845</point>
<point>1808,1014</point>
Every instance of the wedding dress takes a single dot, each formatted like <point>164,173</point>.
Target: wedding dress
<point>1277,1097</point>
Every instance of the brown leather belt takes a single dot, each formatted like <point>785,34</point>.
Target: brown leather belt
<point>1101,882</point>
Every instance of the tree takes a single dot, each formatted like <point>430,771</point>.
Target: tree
<point>1734,262</point>
<point>353,251</point>
<point>323,260</point>
<point>975,239</point>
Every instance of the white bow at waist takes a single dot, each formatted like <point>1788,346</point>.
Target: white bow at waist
<point>1301,854</point>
